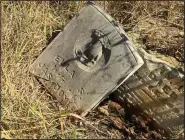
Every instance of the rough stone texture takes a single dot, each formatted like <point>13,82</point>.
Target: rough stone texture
<point>158,90</point>
<point>87,61</point>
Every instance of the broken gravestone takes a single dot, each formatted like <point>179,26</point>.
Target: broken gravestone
<point>157,88</point>
<point>87,61</point>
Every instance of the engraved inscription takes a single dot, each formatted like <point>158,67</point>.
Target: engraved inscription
<point>151,75</point>
<point>61,76</point>
<point>80,91</point>
<point>56,87</point>
<point>67,67</point>
<point>57,58</point>
<point>55,71</point>
<point>45,71</point>
<point>40,65</point>
<point>49,76</point>
<point>72,74</point>
<point>62,94</point>
<point>165,104</point>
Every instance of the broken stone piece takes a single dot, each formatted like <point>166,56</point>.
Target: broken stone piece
<point>157,88</point>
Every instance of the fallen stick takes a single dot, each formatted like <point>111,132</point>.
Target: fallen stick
<point>86,122</point>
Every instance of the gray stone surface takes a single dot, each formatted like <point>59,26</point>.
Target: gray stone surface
<point>87,61</point>
<point>157,88</point>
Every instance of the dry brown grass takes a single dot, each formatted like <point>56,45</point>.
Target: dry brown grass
<point>159,25</point>
<point>28,111</point>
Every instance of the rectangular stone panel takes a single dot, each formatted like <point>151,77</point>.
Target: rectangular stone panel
<point>87,61</point>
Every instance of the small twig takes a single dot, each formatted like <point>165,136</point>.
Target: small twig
<point>174,24</point>
<point>85,121</point>
<point>20,130</point>
<point>180,132</point>
<point>62,123</point>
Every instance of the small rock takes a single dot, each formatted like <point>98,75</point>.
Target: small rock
<point>103,111</point>
<point>115,107</point>
<point>181,34</point>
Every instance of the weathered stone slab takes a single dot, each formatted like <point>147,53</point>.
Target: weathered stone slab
<point>158,89</point>
<point>87,61</point>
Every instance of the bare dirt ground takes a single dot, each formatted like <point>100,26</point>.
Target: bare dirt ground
<point>29,111</point>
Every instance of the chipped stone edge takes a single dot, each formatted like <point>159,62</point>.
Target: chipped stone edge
<point>149,57</point>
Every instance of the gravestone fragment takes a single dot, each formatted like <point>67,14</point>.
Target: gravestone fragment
<point>87,61</point>
<point>157,88</point>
